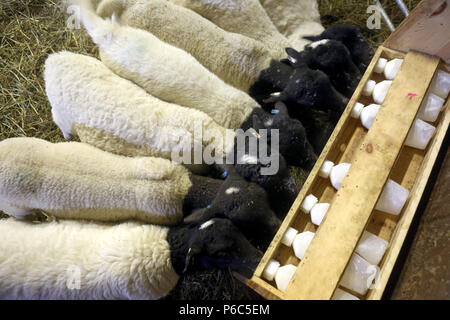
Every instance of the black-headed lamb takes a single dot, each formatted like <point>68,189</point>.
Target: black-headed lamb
<point>84,260</point>
<point>244,203</point>
<point>331,57</point>
<point>351,36</point>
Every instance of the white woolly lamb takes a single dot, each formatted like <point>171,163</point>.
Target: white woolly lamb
<point>83,260</point>
<point>77,181</point>
<point>115,115</point>
<point>166,72</point>
<point>236,59</point>
<point>246,17</point>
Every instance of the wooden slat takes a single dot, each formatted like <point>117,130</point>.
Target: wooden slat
<point>264,289</point>
<point>403,225</point>
<point>319,272</point>
<point>426,29</point>
<point>329,148</point>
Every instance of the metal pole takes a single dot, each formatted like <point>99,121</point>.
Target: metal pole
<point>403,7</point>
<point>385,16</point>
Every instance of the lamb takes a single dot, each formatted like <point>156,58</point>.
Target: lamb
<point>305,88</point>
<point>73,180</point>
<point>168,73</point>
<point>244,17</point>
<point>234,58</point>
<point>295,19</point>
<point>331,57</point>
<point>82,260</point>
<point>245,204</point>
<point>351,36</point>
<point>322,76</point>
<point>115,115</point>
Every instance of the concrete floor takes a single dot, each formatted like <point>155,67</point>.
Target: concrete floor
<point>425,273</point>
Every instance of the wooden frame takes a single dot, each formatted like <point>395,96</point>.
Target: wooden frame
<point>352,206</point>
<point>426,30</point>
<point>376,155</point>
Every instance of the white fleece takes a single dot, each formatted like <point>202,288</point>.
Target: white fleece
<point>167,72</point>
<point>295,19</point>
<point>83,260</point>
<point>77,181</point>
<point>246,17</point>
<point>114,114</point>
<point>236,59</point>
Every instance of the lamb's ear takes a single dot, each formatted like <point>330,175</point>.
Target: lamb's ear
<point>286,61</point>
<point>293,54</point>
<point>283,111</point>
<point>192,252</point>
<point>199,216</point>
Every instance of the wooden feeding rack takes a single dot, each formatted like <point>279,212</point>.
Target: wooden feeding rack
<point>376,155</point>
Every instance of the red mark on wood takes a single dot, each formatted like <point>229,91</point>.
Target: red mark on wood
<point>352,99</point>
<point>440,9</point>
<point>369,148</point>
<point>411,95</point>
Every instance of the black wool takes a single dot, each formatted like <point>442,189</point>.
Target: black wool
<point>351,36</point>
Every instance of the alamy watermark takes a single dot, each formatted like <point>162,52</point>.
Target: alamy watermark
<point>374,20</point>
<point>74,19</point>
<point>212,146</point>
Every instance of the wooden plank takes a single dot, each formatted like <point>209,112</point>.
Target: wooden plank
<point>264,289</point>
<point>426,30</point>
<point>329,148</point>
<point>319,272</point>
<point>403,225</point>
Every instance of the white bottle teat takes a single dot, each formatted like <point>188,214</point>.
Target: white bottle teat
<point>368,88</point>
<point>317,211</point>
<point>366,114</point>
<point>299,241</point>
<point>336,173</point>
<point>380,65</point>
<point>380,91</point>
<point>392,67</point>
<point>308,203</point>
<point>289,236</point>
<point>282,275</point>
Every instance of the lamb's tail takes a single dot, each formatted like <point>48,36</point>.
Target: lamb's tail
<point>100,30</point>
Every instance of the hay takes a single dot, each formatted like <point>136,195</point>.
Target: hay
<point>32,29</point>
<point>355,12</point>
